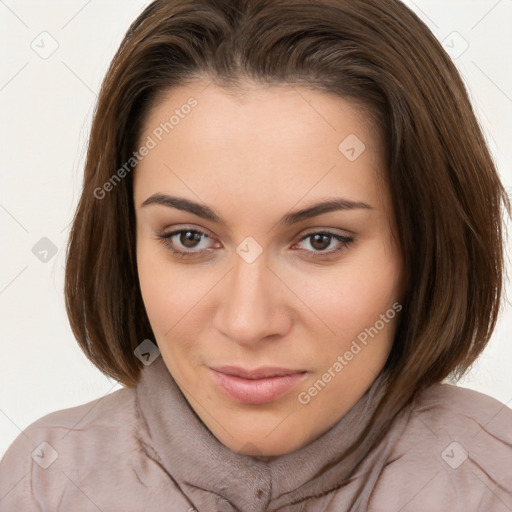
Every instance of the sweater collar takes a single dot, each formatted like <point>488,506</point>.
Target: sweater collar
<point>185,448</point>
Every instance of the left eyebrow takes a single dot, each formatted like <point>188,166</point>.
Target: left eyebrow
<point>206,212</point>
<point>323,207</point>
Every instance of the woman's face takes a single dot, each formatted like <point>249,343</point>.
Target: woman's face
<point>273,313</point>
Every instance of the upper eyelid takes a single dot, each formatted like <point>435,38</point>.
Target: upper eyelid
<point>304,233</point>
<point>168,233</point>
<point>300,238</point>
<point>329,231</point>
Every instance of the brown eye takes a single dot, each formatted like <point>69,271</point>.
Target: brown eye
<point>320,242</point>
<point>186,243</point>
<point>324,244</point>
<point>189,239</point>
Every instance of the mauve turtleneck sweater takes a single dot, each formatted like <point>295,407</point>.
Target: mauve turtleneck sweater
<point>144,449</point>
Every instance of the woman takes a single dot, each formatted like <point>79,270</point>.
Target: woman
<point>290,233</point>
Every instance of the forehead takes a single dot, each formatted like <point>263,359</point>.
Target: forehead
<point>281,112</point>
<point>277,143</point>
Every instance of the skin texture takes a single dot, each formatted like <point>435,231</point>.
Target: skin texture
<point>254,156</point>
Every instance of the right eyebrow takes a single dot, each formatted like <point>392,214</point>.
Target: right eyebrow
<point>185,205</point>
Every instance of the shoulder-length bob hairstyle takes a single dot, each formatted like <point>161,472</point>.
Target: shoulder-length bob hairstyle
<point>447,196</point>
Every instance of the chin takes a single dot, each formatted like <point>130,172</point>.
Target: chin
<point>264,448</point>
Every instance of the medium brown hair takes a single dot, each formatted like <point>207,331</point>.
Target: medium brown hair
<point>447,196</point>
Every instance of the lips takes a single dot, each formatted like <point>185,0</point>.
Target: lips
<point>257,386</point>
<point>258,373</point>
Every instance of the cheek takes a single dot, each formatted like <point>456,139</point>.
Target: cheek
<point>173,295</point>
<point>169,304</point>
<point>346,298</point>
<point>357,304</point>
<point>357,292</point>
<point>165,293</point>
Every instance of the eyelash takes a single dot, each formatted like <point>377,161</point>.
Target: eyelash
<point>345,241</point>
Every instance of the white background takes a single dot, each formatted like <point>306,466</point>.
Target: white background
<point>46,107</point>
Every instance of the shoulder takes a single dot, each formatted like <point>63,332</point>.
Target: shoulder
<point>464,407</point>
<point>97,417</point>
<point>455,451</point>
<point>64,443</point>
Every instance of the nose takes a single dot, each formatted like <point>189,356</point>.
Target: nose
<point>252,305</point>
